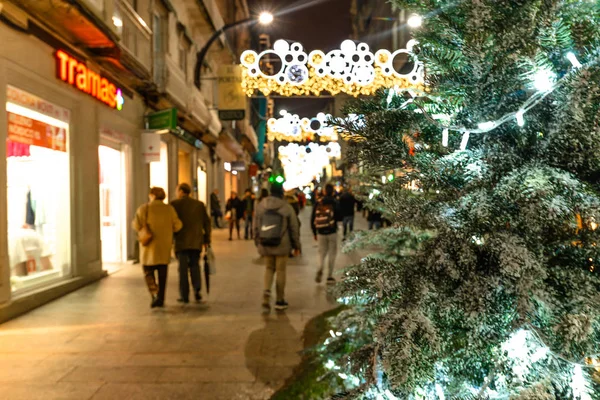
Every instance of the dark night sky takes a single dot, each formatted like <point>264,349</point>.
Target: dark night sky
<point>317,24</point>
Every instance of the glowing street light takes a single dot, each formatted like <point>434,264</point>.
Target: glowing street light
<point>415,21</point>
<point>264,18</point>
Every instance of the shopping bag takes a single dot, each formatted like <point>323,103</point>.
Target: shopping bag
<point>228,215</point>
<point>212,262</point>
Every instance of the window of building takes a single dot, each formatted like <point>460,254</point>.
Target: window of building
<point>38,190</point>
<point>184,48</point>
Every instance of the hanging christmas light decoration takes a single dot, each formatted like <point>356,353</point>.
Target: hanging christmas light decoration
<point>302,164</point>
<point>291,128</point>
<point>352,69</point>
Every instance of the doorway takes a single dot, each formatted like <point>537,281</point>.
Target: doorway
<point>202,184</point>
<point>112,204</point>
<point>159,170</point>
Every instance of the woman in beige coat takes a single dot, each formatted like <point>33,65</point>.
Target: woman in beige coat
<point>162,222</point>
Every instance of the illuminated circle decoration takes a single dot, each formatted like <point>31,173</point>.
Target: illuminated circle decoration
<point>352,69</point>
<point>291,128</point>
<point>302,164</point>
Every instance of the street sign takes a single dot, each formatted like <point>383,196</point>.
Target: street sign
<point>187,137</point>
<point>164,119</point>
<point>238,166</point>
<point>232,100</point>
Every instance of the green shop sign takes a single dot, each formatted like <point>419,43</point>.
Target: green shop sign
<point>165,119</point>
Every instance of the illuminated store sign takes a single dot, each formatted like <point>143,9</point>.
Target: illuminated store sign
<point>76,73</point>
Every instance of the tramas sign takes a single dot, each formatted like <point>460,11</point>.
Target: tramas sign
<point>77,74</point>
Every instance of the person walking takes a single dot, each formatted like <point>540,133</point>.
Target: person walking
<point>235,210</point>
<point>162,221</point>
<point>347,207</point>
<point>324,222</point>
<point>276,234</point>
<point>190,240</point>
<point>374,218</point>
<point>215,207</point>
<point>249,202</point>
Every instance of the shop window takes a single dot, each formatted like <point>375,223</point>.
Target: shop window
<point>38,190</point>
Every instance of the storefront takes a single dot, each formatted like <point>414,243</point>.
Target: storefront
<point>38,190</point>
<point>69,180</point>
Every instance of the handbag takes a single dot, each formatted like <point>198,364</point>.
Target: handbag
<point>145,235</point>
<point>228,215</point>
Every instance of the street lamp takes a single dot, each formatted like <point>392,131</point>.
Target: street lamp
<point>265,18</point>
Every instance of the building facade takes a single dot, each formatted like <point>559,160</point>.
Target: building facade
<point>86,86</point>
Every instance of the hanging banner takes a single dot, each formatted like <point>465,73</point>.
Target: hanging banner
<point>150,147</point>
<point>232,99</point>
<point>36,133</point>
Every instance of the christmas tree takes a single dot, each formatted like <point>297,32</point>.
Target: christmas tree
<point>486,284</point>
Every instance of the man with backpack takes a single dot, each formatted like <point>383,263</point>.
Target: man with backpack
<point>276,233</point>
<point>324,222</point>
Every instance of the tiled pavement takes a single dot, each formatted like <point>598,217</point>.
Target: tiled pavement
<point>104,341</point>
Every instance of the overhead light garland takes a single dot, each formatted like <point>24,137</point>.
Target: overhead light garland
<point>353,69</point>
<point>291,128</point>
<point>543,80</point>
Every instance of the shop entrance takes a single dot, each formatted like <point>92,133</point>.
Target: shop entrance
<point>202,184</point>
<point>159,171</point>
<point>112,204</point>
<point>184,167</point>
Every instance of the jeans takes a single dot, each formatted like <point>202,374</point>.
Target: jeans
<point>249,233</point>
<point>232,222</point>
<point>275,265</point>
<point>348,224</point>
<point>328,249</point>
<point>374,224</point>
<point>158,291</point>
<point>189,260</point>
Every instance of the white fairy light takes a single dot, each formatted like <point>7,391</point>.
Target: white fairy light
<point>579,384</point>
<point>464,141</point>
<point>543,80</point>
<point>415,21</point>
<point>439,392</point>
<point>519,116</point>
<point>445,137</point>
<point>573,59</point>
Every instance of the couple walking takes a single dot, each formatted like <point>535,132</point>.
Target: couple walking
<point>186,220</point>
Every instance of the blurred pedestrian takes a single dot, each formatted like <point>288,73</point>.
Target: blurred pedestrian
<point>190,240</point>
<point>324,222</point>
<point>162,221</point>
<point>215,207</point>
<point>235,213</point>
<point>374,218</point>
<point>276,233</point>
<point>249,202</point>
<point>347,207</point>
<point>264,193</point>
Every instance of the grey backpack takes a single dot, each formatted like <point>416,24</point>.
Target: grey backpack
<point>271,229</point>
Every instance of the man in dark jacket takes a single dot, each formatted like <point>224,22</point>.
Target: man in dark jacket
<point>276,234</point>
<point>249,202</point>
<point>324,222</point>
<point>236,208</point>
<point>347,206</point>
<point>215,207</point>
<point>190,239</point>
